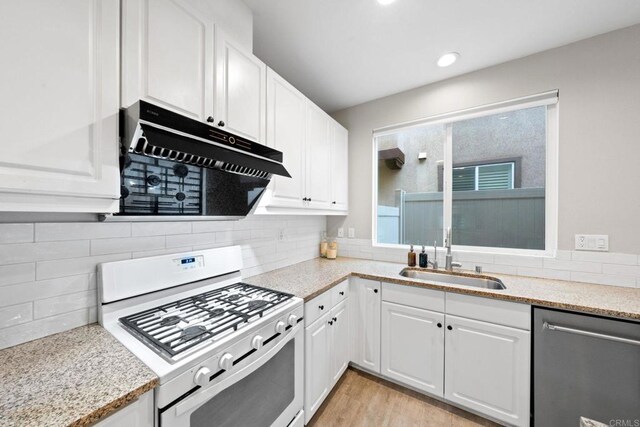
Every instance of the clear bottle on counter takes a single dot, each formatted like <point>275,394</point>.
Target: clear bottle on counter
<point>332,249</point>
<point>323,245</point>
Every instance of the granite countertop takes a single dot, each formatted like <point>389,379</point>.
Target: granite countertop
<point>311,278</point>
<point>73,378</point>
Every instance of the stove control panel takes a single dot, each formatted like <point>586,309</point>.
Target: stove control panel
<point>280,327</point>
<point>189,262</point>
<point>292,320</point>
<point>248,345</point>
<point>257,342</point>
<point>226,361</point>
<point>202,376</point>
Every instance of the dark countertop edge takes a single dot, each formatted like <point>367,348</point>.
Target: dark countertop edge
<point>479,293</point>
<point>113,406</point>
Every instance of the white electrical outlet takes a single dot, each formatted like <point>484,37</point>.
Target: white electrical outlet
<point>351,232</point>
<point>281,234</point>
<point>592,242</point>
<point>340,232</point>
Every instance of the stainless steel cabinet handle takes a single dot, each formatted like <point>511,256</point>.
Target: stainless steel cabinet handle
<point>551,327</point>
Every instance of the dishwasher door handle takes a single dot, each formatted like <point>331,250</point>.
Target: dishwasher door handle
<point>551,327</point>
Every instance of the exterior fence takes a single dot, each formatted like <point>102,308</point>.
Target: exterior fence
<point>495,218</point>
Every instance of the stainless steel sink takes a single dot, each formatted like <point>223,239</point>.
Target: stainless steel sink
<point>454,279</point>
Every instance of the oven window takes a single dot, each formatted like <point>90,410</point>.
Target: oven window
<point>257,400</point>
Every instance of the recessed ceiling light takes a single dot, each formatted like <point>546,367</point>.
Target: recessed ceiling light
<point>447,59</point>
<point>385,2</point>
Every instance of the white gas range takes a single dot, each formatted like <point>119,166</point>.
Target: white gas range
<point>226,352</point>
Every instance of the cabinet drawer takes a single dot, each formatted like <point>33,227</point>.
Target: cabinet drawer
<point>317,307</point>
<point>412,296</point>
<point>339,292</point>
<point>490,310</point>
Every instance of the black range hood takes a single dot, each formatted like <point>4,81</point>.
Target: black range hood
<point>174,166</point>
<point>156,132</point>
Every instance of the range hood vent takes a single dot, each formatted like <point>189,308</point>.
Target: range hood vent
<point>156,132</point>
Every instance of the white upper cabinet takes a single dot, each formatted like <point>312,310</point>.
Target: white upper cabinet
<point>59,105</point>
<point>339,167</point>
<point>315,149</point>
<point>168,57</point>
<point>240,90</point>
<point>286,112</point>
<point>318,171</point>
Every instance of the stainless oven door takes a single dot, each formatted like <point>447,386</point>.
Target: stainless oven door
<point>265,391</point>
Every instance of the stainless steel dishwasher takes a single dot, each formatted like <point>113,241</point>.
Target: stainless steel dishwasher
<point>585,366</point>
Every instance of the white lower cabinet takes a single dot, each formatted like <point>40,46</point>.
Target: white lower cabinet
<point>317,365</point>
<point>138,413</point>
<point>339,340</point>
<point>365,325</point>
<point>473,352</point>
<point>487,369</point>
<point>326,350</point>
<point>412,344</point>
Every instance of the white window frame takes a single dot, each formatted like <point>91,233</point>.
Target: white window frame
<point>550,100</point>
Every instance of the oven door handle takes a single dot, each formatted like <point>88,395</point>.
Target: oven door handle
<point>199,398</point>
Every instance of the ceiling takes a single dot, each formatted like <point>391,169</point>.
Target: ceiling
<point>344,52</point>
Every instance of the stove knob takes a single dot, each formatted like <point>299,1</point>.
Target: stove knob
<point>280,327</point>
<point>226,361</point>
<point>256,342</point>
<point>202,376</point>
<point>292,320</point>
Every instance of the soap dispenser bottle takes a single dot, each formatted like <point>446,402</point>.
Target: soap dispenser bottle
<point>423,260</point>
<point>411,260</point>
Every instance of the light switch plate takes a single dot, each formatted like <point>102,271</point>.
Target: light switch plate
<point>592,242</point>
<point>351,232</point>
<point>340,232</point>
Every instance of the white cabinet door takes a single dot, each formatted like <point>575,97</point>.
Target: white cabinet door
<point>286,112</point>
<point>339,168</point>
<point>487,369</point>
<point>138,413</point>
<point>241,80</point>
<point>59,105</point>
<point>412,346</point>
<point>339,341</point>
<point>318,170</point>
<point>167,57</point>
<point>365,325</point>
<point>317,359</point>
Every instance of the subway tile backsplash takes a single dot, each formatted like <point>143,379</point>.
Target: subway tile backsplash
<point>603,268</point>
<point>48,270</point>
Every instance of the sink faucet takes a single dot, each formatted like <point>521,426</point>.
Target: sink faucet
<point>434,262</point>
<point>449,264</point>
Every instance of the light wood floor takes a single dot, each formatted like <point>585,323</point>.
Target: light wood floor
<point>360,399</point>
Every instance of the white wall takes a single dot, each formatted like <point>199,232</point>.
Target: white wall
<point>48,270</point>
<point>599,83</point>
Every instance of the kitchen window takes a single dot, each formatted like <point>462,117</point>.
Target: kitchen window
<point>489,173</point>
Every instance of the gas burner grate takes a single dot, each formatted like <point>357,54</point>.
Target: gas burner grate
<point>174,328</point>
